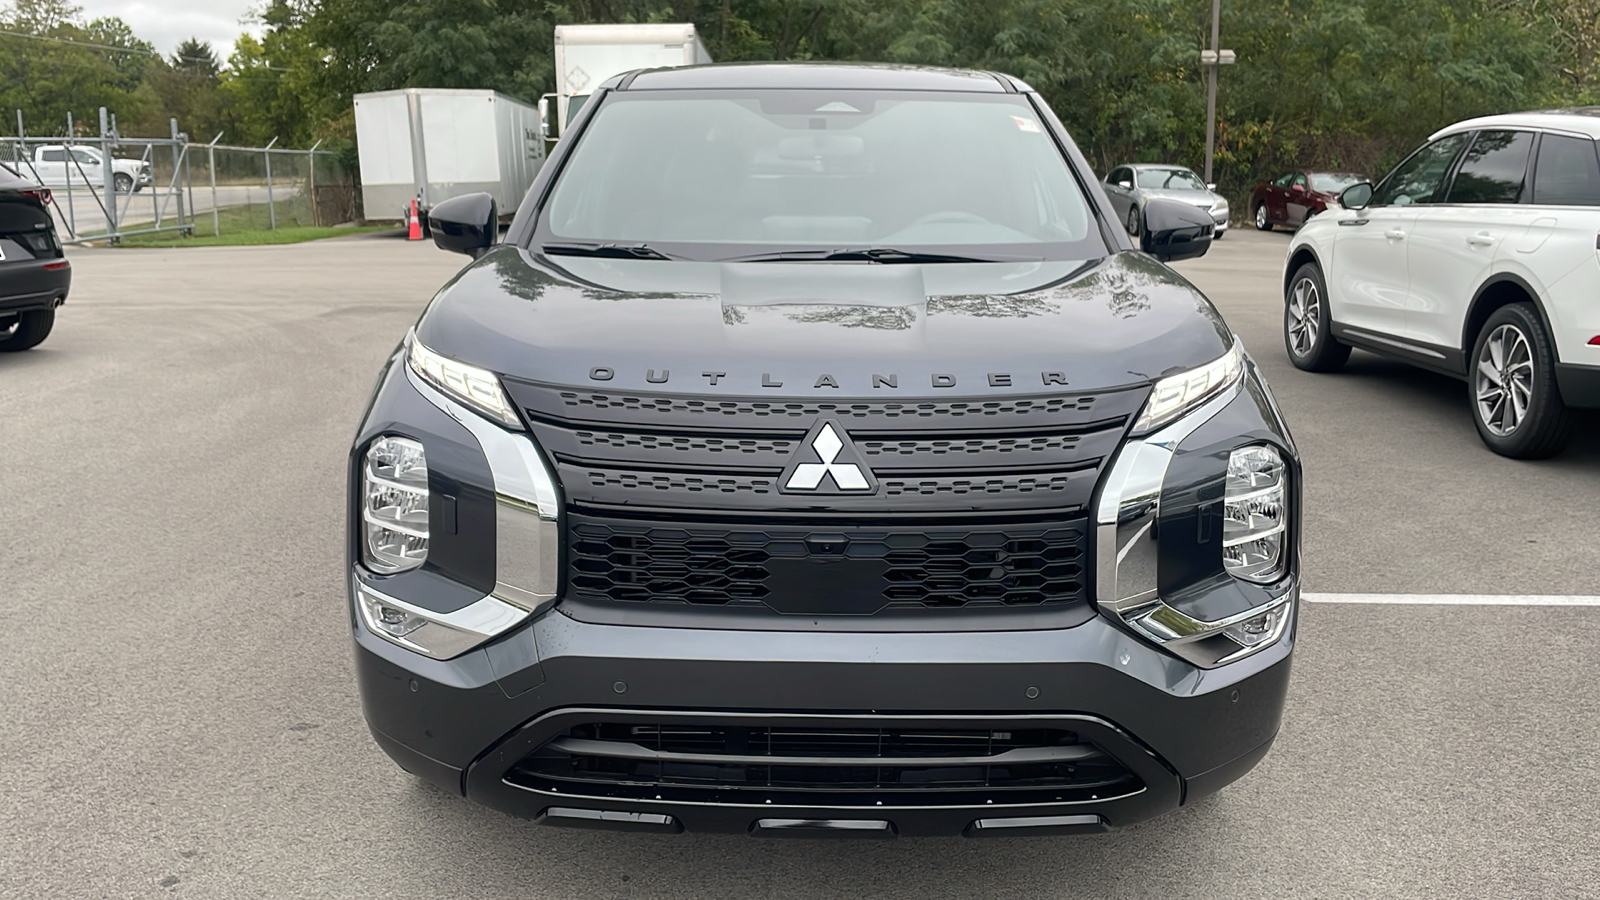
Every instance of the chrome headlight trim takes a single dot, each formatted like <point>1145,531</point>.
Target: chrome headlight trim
<point>439,635</point>
<point>527,508</point>
<point>1126,551</point>
<point>470,385</point>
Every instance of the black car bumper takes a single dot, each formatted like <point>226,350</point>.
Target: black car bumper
<point>33,284</point>
<point>1579,385</point>
<point>498,725</point>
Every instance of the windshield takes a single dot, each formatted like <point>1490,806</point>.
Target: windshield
<point>1170,180</point>
<point>723,174</point>
<point>1329,183</point>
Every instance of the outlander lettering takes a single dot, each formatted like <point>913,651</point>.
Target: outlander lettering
<point>788,469</point>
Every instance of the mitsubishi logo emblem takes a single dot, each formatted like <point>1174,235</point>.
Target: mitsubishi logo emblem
<point>827,464</point>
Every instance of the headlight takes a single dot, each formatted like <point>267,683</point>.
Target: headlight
<point>478,388</point>
<point>394,505</point>
<point>1254,508</point>
<point>1177,394</point>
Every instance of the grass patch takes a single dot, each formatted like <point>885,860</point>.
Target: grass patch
<point>242,226</point>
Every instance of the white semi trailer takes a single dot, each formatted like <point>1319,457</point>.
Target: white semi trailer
<point>431,144</point>
<point>587,55</point>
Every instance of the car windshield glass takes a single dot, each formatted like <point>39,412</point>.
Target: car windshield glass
<point>715,175</point>
<point>1170,180</point>
<point>1329,183</point>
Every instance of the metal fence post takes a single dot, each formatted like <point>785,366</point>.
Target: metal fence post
<point>311,180</point>
<point>108,182</point>
<point>72,214</point>
<point>211,163</point>
<point>177,162</point>
<point>272,211</point>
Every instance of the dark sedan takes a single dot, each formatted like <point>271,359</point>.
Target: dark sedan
<point>1292,198</point>
<point>34,272</point>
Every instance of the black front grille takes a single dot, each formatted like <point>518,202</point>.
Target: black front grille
<point>912,764</point>
<point>827,569</point>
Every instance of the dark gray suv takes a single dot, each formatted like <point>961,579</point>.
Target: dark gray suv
<point>816,455</point>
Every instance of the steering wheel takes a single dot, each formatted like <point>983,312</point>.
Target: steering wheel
<point>951,217</point>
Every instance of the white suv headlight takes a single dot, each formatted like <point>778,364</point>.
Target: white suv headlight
<point>478,388</point>
<point>394,505</point>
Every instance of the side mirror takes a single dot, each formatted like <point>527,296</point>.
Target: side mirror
<point>467,224</point>
<point>1356,196</point>
<point>1211,185</point>
<point>1125,185</point>
<point>544,116</point>
<point>1175,230</point>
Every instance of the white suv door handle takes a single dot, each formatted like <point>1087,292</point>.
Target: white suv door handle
<point>1481,239</point>
<point>1395,234</point>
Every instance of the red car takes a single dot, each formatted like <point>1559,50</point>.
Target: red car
<point>1296,196</point>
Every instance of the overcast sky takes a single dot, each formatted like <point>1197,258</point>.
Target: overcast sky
<point>166,22</point>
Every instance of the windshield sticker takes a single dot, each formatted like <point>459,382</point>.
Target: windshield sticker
<point>1025,124</point>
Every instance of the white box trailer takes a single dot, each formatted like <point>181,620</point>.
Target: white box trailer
<point>588,55</point>
<point>435,143</point>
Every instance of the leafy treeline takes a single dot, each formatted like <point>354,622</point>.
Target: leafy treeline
<point>1341,83</point>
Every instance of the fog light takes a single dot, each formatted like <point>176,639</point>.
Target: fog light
<point>389,620</point>
<point>395,505</point>
<point>1255,515</point>
<point>1259,630</point>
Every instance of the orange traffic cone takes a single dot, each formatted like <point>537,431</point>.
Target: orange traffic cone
<point>413,224</point>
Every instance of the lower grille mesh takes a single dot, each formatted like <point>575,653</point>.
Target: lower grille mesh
<point>853,765</point>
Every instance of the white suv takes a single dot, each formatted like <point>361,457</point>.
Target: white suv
<point>1478,256</point>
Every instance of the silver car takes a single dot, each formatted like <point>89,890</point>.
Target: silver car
<point>1129,187</point>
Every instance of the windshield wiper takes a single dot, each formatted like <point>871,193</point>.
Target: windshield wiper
<point>611,251</point>
<point>872,254</point>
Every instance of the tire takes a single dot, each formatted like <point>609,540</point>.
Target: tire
<point>1263,221</point>
<point>122,184</point>
<point>1307,324</point>
<point>31,327</point>
<point>1133,220</point>
<point>1512,360</point>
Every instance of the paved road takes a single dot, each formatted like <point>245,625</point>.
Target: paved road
<point>180,717</point>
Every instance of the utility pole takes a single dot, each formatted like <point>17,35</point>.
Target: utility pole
<point>1213,59</point>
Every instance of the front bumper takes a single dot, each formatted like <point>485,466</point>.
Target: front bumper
<point>466,723</point>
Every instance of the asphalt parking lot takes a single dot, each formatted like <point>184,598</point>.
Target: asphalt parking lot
<point>181,718</point>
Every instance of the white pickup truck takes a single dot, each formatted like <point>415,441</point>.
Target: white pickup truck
<point>54,164</point>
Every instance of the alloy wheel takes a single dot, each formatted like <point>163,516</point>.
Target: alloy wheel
<point>1504,380</point>
<point>1133,221</point>
<point>1305,308</point>
<point>1261,217</point>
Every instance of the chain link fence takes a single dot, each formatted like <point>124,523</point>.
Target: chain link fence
<point>107,186</point>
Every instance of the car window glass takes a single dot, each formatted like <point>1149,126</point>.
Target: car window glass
<point>1494,169</point>
<point>1170,180</point>
<point>1299,179</point>
<point>1567,172</point>
<point>53,156</point>
<point>84,156</point>
<point>1283,180</point>
<point>720,173</point>
<point>1329,183</point>
<point>1419,178</point>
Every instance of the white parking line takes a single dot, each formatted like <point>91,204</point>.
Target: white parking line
<point>1459,599</point>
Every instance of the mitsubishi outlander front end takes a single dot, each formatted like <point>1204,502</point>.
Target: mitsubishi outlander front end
<point>817,455</point>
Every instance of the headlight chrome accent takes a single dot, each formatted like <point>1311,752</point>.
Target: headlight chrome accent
<point>477,388</point>
<point>1126,553</point>
<point>527,508</point>
<point>394,505</point>
<point>1176,395</point>
<point>439,635</point>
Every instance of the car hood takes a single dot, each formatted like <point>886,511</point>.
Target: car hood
<point>810,329</point>
<point>1198,198</point>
